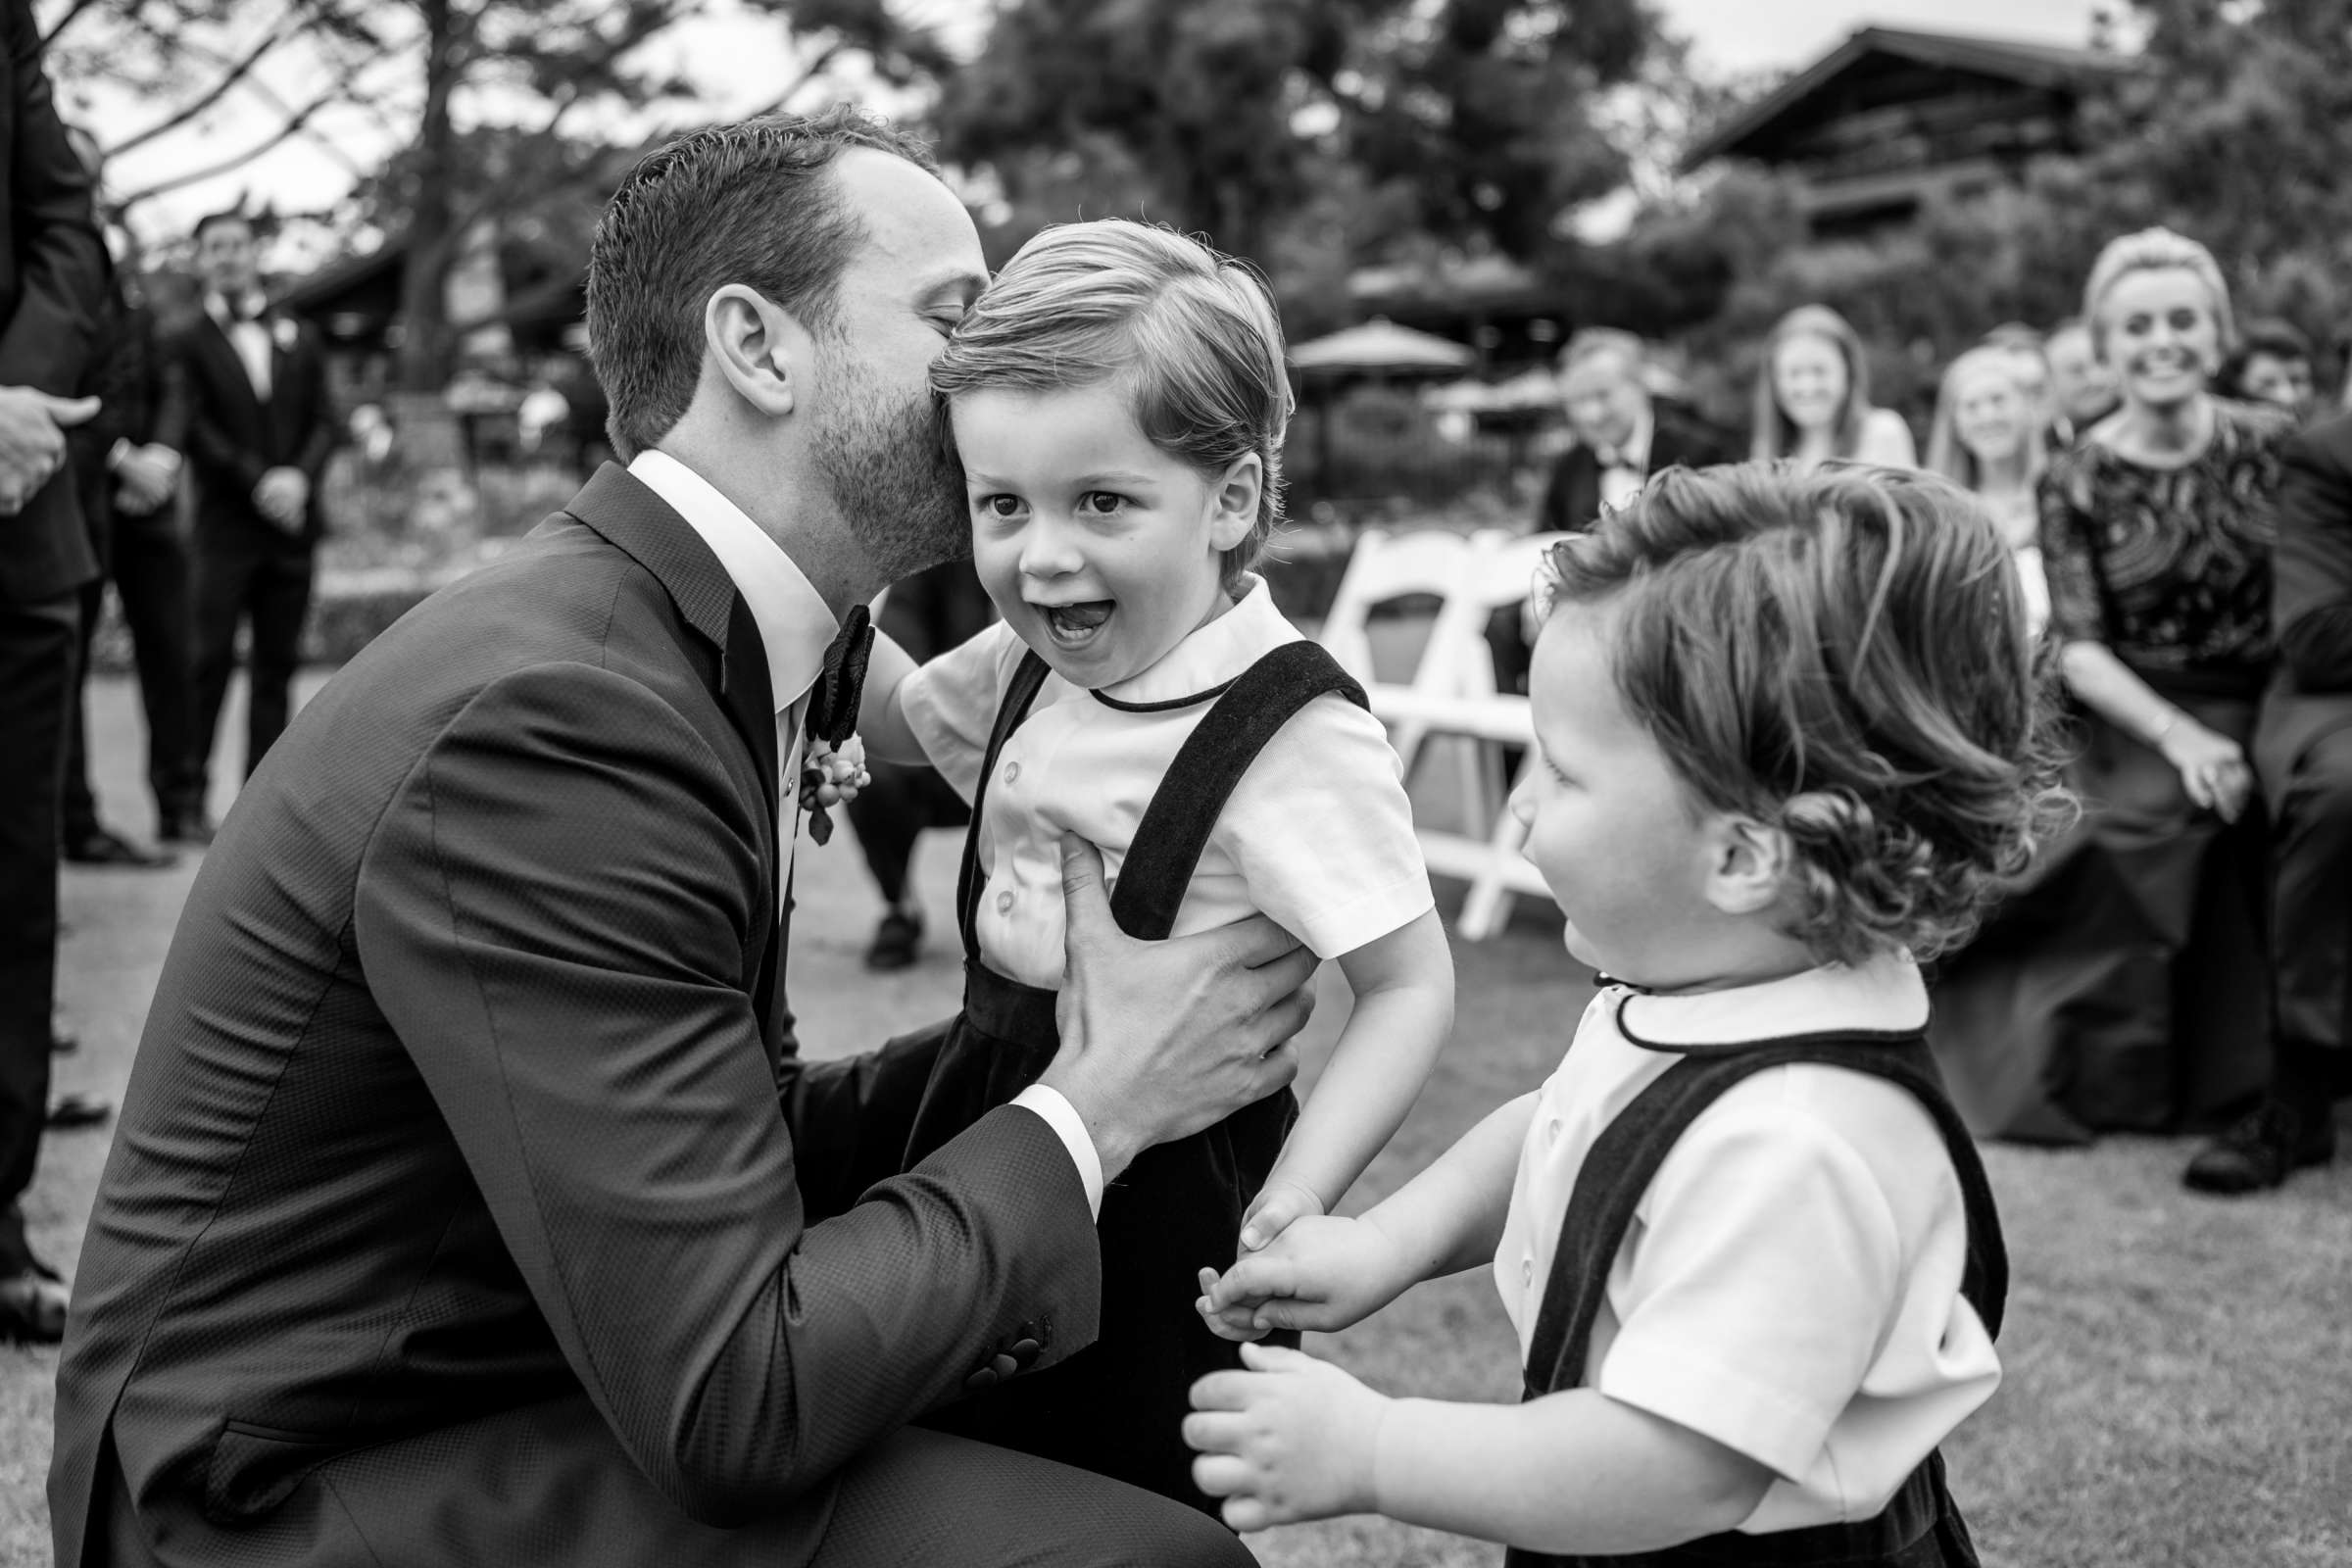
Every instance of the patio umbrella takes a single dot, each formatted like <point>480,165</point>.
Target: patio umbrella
<point>1381,346</point>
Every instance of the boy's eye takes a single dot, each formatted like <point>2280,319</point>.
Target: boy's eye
<point>1103,501</point>
<point>998,505</point>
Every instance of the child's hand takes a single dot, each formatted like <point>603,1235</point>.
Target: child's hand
<point>1292,1438</point>
<point>1270,1215</point>
<point>1320,1273</point>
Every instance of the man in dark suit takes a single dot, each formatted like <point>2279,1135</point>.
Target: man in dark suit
<point>259,429</point>
<point>2303,759</point>
<point>1623,435</point>
<point>463,1208</point>
<point>126,474</point>
<point>52,272</point>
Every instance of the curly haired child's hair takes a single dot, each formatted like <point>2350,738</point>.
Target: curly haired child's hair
<point>1186,334</point>
<point>1843,655</point>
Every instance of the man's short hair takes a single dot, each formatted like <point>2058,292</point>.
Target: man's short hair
<point>1592,342</point>
<point>747,203</point>
<point>211,221</point>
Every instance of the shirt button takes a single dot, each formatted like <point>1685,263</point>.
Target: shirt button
<point>1552,1130</point>
<point>1005,902</point>
<point>1526,1270</point>
<point>1013,771</point>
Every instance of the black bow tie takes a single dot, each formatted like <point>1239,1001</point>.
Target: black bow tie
<point>833,700</point>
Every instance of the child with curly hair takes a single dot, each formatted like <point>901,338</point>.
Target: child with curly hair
<point>1792,741</point>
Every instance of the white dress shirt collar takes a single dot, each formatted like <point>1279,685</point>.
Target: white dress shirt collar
<point>1213,654</point>
<point>795,623</point>
<point>1884,996</point>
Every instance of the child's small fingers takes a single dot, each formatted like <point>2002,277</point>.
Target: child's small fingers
<point>1222,1475</point>
<point>1208,1281</point>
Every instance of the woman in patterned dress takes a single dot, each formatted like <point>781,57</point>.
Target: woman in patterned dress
<point>2127,986</point>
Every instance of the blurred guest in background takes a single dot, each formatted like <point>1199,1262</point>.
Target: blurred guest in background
<point>1812,399</point>
<point>1988,436</point>
<point>2303,756</point>
<point>2140,995</point>
<point>937,608</point>
<point>52,278</point>
<point>2082,388</point>
<point>1623,435</point>
<point>2271,364</point>
<point>126,475</point>
<point>259,429</point>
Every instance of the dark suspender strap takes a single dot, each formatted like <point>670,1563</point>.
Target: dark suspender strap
<point>1629,1150</point>
<point>1184,810</point>
<point>1019,693</point>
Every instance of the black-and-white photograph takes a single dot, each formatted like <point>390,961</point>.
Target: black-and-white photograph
<point>1211,783</point>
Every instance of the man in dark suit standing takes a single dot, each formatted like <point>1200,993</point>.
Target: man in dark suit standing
<point>463,1208</point>
<point>52,272</point>
<point>259,429</point>
<point>126,474</point>
<point>2303,759</point>
<point>1623,435</point>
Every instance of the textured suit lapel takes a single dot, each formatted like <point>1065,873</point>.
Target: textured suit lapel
<point>631,517</point>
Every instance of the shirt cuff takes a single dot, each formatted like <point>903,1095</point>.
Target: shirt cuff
<point>1062,1116</point>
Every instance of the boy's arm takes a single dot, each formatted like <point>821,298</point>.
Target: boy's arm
<point>1577,1472</point>
<point>881,719</point>
<point>1325,1274</point>
<point>1403,985</point>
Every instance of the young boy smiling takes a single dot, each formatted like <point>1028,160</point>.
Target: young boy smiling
<point>1117,399</point>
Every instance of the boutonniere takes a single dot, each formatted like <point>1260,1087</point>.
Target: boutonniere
<point>831,775</point>
<point>282,332</point>
<point>833,761</point>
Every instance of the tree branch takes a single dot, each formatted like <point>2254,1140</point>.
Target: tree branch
<point>236,71</point>
<point>291,128</point>
<point>72,14</point>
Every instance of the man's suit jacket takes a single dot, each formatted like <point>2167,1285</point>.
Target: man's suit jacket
<point>458,1211</point>
<point>1572,499</point>
<point>2311,601</point>
<point>53,271</point>
<point>234,437</point>
<point>141,400</point>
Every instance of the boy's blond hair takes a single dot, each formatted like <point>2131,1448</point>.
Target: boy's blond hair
<point>1843,656</point>
<point>1187,335</point>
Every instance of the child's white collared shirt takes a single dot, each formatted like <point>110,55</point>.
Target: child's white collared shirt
<point>1791,1285</point>
<point>1318,835</point>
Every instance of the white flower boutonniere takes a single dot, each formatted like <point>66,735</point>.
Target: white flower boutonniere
<point>830,775</point>
<point>282,332</point>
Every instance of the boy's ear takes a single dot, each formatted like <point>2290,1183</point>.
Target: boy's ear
<point>1236,501</point>
<point>1748,864</point>
<point>765,354</point>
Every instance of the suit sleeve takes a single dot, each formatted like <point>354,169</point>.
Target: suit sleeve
<point>2311,586</point>
<point>558,913</point>
<point>61,259</point>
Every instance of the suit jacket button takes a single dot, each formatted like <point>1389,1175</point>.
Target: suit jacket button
<point>1004,1366</point>
<point>1025,1350</point>
<point>985,1378</point>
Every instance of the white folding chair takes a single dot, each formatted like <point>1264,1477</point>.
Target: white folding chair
<point>1384,568</point>
<point>1467,708</point>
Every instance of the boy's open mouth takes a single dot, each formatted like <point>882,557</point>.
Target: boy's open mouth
<point>1072,625</point>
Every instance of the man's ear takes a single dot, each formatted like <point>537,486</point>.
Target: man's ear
<point>1748,864</point>
<point>1235,501</point>
<point>763,352</point>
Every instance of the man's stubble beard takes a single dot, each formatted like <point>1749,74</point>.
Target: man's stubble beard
<point>888,467</point>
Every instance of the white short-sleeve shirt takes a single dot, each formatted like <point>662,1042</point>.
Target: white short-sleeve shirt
<point>1790,1284</point>
<point>1318,835</point>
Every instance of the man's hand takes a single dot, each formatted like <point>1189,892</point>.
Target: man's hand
<point>1290,1439</point>
<point>281,495</point>
<point>33,441</point>
<point>1321,1273</point>
<point>1161,1039</point>
<point>147,475</point>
